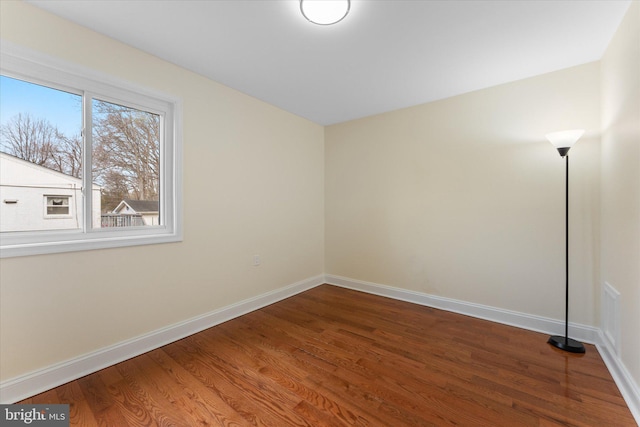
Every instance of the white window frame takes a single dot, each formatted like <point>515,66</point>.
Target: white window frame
<point>21,63</point>
<point>47,215</point>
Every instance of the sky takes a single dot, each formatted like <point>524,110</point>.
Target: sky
<point>61,109</point>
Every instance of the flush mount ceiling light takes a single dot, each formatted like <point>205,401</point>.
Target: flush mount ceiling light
<point>325,12</point>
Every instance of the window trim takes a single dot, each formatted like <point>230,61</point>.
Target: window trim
<point>19,62</point>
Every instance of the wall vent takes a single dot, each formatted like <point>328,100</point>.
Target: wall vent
<point>611,316</point>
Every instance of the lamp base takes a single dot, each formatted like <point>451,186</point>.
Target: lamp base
<point>566,344</point>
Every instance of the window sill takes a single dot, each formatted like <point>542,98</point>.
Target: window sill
<point>72,242</point>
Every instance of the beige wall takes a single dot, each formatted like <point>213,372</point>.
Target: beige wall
<point>621,180</point>
<point>464,197</point>
<point>253,184</point>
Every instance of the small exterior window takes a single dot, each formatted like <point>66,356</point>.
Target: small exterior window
<point>57,205</point>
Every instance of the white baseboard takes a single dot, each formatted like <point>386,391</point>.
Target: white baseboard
<point>545,325</point>
<point>24,386</point>
<point>628,388</point>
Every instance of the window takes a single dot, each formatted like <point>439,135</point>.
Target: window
<point>85,145</point>
<point>57,206</point>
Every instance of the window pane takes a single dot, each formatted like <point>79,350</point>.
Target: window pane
<point>126,165</point>
<point>57,205</point>
<point>40,153</point>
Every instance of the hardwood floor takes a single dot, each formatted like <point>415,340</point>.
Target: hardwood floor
<point>334,357</point>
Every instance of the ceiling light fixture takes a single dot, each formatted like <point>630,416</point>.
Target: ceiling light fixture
<point>325,12</point>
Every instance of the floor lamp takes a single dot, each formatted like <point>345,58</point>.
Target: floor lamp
<point>563,142</point>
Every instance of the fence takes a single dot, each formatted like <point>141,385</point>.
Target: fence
<point>121,220</point>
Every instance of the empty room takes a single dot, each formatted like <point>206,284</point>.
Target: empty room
<point>320,213</point>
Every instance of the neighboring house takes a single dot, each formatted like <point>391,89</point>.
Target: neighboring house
<point>146,210</point>
<point>36,198</point>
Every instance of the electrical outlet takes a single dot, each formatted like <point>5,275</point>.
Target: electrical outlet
<point>256,260</point>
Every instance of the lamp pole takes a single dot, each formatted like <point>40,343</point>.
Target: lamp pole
<point>566,250</point>
<point>563,142</point>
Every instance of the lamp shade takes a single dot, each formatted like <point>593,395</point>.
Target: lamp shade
<point>325,12</point>
<point>565,138</point>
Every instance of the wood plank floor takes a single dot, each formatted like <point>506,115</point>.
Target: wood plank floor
<point>334,357</point>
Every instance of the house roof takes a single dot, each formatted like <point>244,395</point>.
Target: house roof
<point>139,206</point>
<point>13,171</point>
<point>385,55</point>
<point>39,176</point>
<point>40,171</point>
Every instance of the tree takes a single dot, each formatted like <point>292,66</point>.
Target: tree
<point>114,190</point>
<point>67,157</point>
<point>126,151</point>
<point>30,139</point>
<point>37,141</point>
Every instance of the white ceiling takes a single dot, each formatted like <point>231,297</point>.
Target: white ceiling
<point>385,55</point>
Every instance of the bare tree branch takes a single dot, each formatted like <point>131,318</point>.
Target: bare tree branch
<point>30,139</point>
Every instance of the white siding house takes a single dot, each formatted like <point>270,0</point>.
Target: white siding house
<point>146,210</point>
<point>33,198</point>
